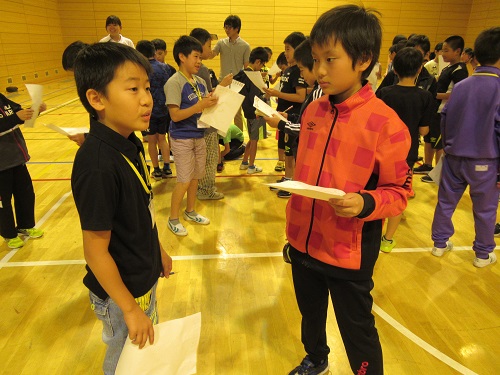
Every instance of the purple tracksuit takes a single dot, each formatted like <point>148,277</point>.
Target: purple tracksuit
<point>470,127</point>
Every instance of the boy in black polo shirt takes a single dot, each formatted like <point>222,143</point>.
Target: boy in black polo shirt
<point>110,183</point>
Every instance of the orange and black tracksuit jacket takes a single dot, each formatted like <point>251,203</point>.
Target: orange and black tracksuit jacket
<point>359,145</point>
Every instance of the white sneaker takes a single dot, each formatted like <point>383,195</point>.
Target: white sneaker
<point>243,166</point>
<point>480,263</point>
<point>253,170</point>
<point>439,251</point>
<point>177,229</point>
<point>196,218</point>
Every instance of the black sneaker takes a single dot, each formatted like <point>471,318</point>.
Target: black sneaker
<point>497,230</point>
<point>284,194</point>
<point>157,174</point>
<point>278,181</point>
<point>423,169</point>
<point>306,367</point>
<point>427,179</point>
<point>286,253</point>
<point>165,172</point>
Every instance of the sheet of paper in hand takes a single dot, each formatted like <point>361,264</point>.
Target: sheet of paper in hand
<point>263,109</point>
<point>173,352</point>
<point>310,191</point>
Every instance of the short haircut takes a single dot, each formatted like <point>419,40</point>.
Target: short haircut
<point>420,40</point>
<point>281,60</point>
<point>395,48</point>
<point>259,53</point>
<point>294,39</point>
<point>469,51</point>
<point>159,44</point>
<point>201,34</point>
<point>113,20</point>
<point>438,46</point>
<point>185,45</point>
<point>233,21</point>
<point>398,38</point>
<point>95,68</point>
<point>70,53</point>
<point>455,42</point>
<point>407,62</point>
<point>146,48</point>
<point>356,28</point>
<point>268,50</point>
<point>487,46</point>
<point>303,54</point>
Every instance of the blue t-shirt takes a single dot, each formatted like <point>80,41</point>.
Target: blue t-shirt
<point>182,93</point>
<point>157,79</point>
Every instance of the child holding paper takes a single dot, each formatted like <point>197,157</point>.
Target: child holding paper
<point>15,179</point>
<point>258,58</point>
<point>187,97</point>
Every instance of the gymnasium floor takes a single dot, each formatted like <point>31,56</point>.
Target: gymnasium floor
<point>434,315</point>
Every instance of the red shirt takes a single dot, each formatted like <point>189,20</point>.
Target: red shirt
<point>359,145</point>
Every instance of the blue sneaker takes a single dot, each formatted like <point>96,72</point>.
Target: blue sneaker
<point>306,367</point>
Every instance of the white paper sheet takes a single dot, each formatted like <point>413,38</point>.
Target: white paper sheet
<point>274,69</point>
<point>67,131</point>
<point>36,93</point>
<point>236,86</point>
<point>221,115</point>
<point>311,191</point>
<point>256,78</point>
<point>265,109</point>
<point>173,352</point>
<point>435,174</point>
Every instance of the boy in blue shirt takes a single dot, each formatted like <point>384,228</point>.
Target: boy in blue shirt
<point>159,116</point>
<point>187,97</point>
<point>110,183</point>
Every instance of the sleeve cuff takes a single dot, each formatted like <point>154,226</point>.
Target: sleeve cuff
<point>368,207</point>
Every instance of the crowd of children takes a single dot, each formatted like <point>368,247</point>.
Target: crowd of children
<point>339,133</point>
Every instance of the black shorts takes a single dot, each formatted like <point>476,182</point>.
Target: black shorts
<point>434,135</point>
<point>157,125</point>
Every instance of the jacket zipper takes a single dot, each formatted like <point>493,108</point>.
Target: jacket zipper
<point>311,222</point>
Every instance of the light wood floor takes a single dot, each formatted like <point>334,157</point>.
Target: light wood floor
<point>434,315</point>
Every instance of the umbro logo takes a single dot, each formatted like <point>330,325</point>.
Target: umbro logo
<point>310,125</point>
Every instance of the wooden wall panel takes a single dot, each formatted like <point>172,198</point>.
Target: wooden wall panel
<point>50,25</point>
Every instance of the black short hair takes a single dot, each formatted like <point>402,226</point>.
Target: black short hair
<point>70,53</point>
<point>469,51</point>
<point>281,60</point>
<point>159,44</point>
<point>455,42</point>
<point>398,38</point>
<point>233,21</point>
<point>487,46</point>
<point>201,34</point>
<point>185,45</point>
<point>146,48</point>
<point>420,40</point>
<point>113,20</point>
<point>395,48</point>
<point>438,46</point>
<point>95,68</point>
<point>259,53</point>
<point>294,39</point>
<point>268,50</point>
<point>356,28</point>
<point>303,54</point>
<point>407,62</point>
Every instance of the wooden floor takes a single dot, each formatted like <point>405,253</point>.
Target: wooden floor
<point>434,315</point>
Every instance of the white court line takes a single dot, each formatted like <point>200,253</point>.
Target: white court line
<point>381,313</point>
<point>42,221</point>
<point>417,340</point>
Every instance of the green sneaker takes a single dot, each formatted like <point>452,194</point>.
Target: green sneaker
<point>14,243</point>
<point>386,245</point>
<point>32,232</point>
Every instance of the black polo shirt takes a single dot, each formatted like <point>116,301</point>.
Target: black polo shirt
<point>109,196</point>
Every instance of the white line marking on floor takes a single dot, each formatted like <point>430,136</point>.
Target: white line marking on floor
<point>417,340</point>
